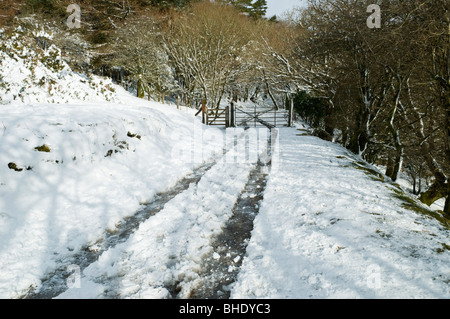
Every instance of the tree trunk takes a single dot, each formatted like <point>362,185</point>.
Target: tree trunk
<point>438,190</point>
<point>329,124</point>
<point>447,202</point>
<point>397,166</point>
<point>447,151</point>
<point>419,190</point>
<point>360,138</point>
<point>395,131</point>
<point>266,81</point>
<point>140,89</point>
<point>394,166</point>
<point>389,167</point>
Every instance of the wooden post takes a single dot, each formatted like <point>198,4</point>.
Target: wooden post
<point>203,111</point>
<point>291,112</point>
<point>275,118</point>
<point>178,102</point>
<point>232,115</point>
<point>227,116</point>
<point>255,114</point>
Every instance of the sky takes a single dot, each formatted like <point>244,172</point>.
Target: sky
<point>280,6</point>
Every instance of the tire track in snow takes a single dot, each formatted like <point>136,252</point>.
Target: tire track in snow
<point>233,240</point>
<point>221,268</point>
<point>55,282</point>
<point>169,248</point>
<point>166,257</point>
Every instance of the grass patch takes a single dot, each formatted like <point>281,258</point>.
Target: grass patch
<point>372,173</point>
<point>444,248</point>
<point>43,148</point>
<point>134,135</point>
<point>14,167</point>
<point>383,234</point>
<point>409,203</point>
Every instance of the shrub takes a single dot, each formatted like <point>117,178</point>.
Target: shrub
<point>44,6</point>
<point>310,109</point>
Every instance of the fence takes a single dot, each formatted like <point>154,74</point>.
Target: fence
<point>232,116</point>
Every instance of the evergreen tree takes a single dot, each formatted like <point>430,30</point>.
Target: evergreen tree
<point>165,4</point>
<point>242,5</point>
<point>255,9</point>
<point>258,9</point>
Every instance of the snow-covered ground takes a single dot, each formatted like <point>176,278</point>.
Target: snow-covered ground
<point>325,228</point>
<point>105,160</point>
<point>71,173</point>
<point>168,249</point>
<point>328,230</point>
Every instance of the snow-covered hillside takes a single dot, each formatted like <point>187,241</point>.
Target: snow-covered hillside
<point>72,164</point>
<point>329,226</point>
<point>32,70</point>
<point>103,161</point>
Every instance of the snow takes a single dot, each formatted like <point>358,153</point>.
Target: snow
<point>326,230</point>
<point>30,76</point>
<point>72,194</point>
<point>171,246</point>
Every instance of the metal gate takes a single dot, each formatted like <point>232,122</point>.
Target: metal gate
<point>257,116</point>
<point>261,117</point>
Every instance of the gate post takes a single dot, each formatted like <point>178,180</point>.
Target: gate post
<point>255,115</point>
<point>275,118</point>
<point>291,112</point>
<point>204,119</point>
<point>227,116</point>
<point>232,115</point>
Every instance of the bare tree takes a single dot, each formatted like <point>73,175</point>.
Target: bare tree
<point>208,48</point>
<point>138,48</point>
<point>387,89</point>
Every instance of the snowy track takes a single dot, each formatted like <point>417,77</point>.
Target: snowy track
<point>222,266</point>
<point>55,282</point>
<point>322,220</point>
<point>166,252</point>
